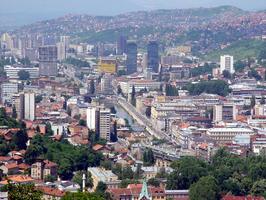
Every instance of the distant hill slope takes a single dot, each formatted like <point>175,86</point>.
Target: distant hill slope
<point>240,50</point>
<point>70,24</point>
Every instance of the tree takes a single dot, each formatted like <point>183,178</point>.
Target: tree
<point>20,191</point>
<point>226,74</point>
<point>48,129</point>
<point>148,111</point>
<point>32,152</point>
<point>119,90</point>
<point>92,87</point>
<point>182,74</point>
<point>38,98</point>
<point>206,188</point>
<point>153,182</point>
<point>113,110</point>
<point>160,73</point>
<point>49,178</point>
<point>114,134</point>
<point>258,188</point>
<point>106,164</point>
<point>252,101</point>
<point>20,139</point>
<point>78,179</point>
<point>162,173</point>
<point>133,93</point>
<point>65,168</point>
<point>14,112</point>
<point>262,100</point>
<point>23,75</point>
<point>101,186</point>
<point>82,122</point>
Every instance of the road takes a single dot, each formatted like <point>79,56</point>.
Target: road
<point>144,120</point>
<point>71,75</point>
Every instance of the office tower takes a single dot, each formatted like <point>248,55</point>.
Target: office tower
<point>7,90</point>
<point>227,63</point>
<point>104,125</point>
<point>61,51</point>
<point>122,45</point>
<point>145,61</point>
<point>153,58</point>
<point>48,60</point>
<point>131,57</point>
<point>66,41</point>
<point>28,105</point>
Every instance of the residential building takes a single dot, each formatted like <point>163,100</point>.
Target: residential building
<point>225,135</point>
<point>177,194</point>
<point>170,60</point>
<point>225,112</point>
<point>7,90</point>
<point>48,60</point>
<point>51,193</point>
<point>104,124</point>
<point>29,106</point>
<point>22,179</point>
<point>122,44</point>
<point>107,64</point>
<point>107,84</point>
<point>106,176</point>
<point>42,168</point>
<point>150,172</point>
<point>131,57</point>
<point>69,186</point>
<point>153,58</point>
<point>61,51</point>
<point>66,40</point>
<point>200,122</point>
<point>227,63</point>
<point>10,168</point>
<point>92,117</point>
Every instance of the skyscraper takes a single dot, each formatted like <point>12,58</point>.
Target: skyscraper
<point>122,45</point>
<point>227,63</point>
<point>153,58</point>
<point>29,106</point>
<point>61,51</point>
<point>131,57</point>
<point>48,60</point>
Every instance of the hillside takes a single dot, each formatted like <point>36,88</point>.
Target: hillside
<point>176,19</point>
<point>240,50</point>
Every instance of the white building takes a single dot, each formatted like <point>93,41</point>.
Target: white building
<point>227,63</point>
<point>139,84</point>
<point>7,90</point>
<point>91,117</point>
<point>29,106</point>
<point>61,51</point>
<point>66,40</point>
<point>226,112</point>
<point>12,72</point>
<point>226,135</point>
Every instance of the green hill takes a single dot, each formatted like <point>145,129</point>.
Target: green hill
<point>240,50</point>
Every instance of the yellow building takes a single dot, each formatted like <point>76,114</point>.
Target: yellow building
<point>139,136</point>
<point>184,49</point>
<point>4,36</point>
<point>107,65</point>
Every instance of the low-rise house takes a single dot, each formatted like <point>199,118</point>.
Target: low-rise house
<point>23,179</point>
<point>177,194</point>
<point>10,168</point>
<point>51,193</point>
<point>69,186</point>
<point>139,136</point>
<point>101,148</point>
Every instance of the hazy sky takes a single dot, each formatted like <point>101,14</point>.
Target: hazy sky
<point>113,7</point>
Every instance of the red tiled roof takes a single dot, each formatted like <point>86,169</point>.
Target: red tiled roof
<point>23,166</point>
<point>97,147</point>
<point>13,165</point>
<point>52,191</point>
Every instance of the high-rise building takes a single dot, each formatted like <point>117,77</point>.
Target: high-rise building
<point>107,84</point>
<point>145,61</point>
<point>122,44</point>
<point>104,124</point>
<point>153,58</point>
<point>227,63</point>
<point>7,90</point>
<point>29,106</point>
<point>131,57</point>
<point>48,60</point>
<point>66,41</point>
<point>226,112</point>
<point>61,51</point>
